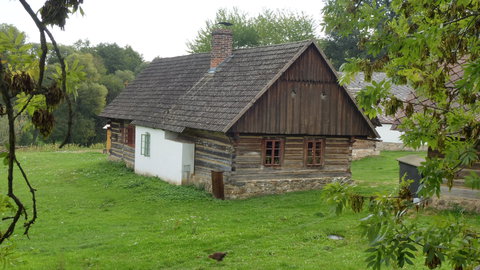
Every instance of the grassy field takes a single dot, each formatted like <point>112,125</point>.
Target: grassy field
<point>94,214</point>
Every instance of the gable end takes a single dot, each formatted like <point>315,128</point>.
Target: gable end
<point>306,99</point>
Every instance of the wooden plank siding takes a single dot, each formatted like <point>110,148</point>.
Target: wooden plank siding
<point>305,100</point>
<point>247,162</point>
<point>120,151</point>
<point>239,157</point>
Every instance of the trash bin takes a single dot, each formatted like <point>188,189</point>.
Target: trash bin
<point>409,167</point>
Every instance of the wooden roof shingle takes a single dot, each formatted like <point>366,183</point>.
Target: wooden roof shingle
<point>181,92</point>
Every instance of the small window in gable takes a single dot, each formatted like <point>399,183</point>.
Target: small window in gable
<point>272,152</point>
<point>314,152</point>
<point>145,145</point>
<point>129,135</point>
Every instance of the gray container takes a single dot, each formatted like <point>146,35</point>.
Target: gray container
<point>409,167</point>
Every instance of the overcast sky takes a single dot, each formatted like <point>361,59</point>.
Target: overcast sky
<point>151,27</point>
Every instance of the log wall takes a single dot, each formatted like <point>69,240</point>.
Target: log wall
<point>249,177</point>
<point>213,151</point>
<point>244,175</point>
<point>120,151</point>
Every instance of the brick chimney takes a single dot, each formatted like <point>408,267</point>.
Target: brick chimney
<point>222,46</point>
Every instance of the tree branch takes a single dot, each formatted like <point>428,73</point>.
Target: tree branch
<point>24,107</point>
<point>43,30</point>
<point>11,158</point>
<point>34,201</point>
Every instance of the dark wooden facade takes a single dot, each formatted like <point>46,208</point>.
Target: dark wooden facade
<point>247,163</point>
<point>306,99</point>
<point>121,150</point>
<point>240,156</point>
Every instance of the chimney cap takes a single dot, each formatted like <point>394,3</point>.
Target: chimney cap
<point>225,23</point>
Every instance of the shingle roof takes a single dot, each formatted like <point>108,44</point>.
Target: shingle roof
<point>358,83</point>
<point>401,92</point>
<point>216,99</point>
<point>179,92</point>
<point>158,87</point>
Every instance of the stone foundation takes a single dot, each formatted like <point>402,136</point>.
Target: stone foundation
<point>364,148</point>
<point>242,190</point>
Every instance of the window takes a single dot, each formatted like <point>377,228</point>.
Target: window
<point>145,145</point>
<point>129,135</point>
<point>314,152</point>
<point>272,152</point>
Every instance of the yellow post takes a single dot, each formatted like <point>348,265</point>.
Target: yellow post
<point>109,140</point>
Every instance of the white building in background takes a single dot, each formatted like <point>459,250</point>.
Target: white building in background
<point>388,135</point>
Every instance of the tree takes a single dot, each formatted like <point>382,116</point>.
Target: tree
<point>115,83</point>
<point>23,87</point>
<point>338,48</point>
<point>118,58</point>
<point>89,102</point>
<point>86,126</point>
<point>424,44</point>
<point>269,27</point>
<point>339,45</point>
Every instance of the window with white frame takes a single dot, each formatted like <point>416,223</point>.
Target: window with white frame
<point>145,145</point>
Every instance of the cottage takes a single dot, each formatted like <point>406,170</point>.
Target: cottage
<point>272,119</point>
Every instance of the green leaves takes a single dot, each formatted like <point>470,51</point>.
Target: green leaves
<point>370,97</point>
<point>14,53</point>
<point>269,27</point>
<point>75,75</point>
<point>433,47</point>
<point>5,157</point>
<point>336,194</point>
<point>473,180</point>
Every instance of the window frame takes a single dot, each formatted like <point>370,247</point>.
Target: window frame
<point>315,161</point>
<point>280,152</point>
<point>145,144</point>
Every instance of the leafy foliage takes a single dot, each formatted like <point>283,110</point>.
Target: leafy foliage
<point>82,62</point>
<point>116,58</point>
<point>395,239</point>
<point>432,46</point>
<point>269,27</point>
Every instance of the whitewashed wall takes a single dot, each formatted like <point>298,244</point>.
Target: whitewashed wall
<point>168,157</point>
<point>388,135</point>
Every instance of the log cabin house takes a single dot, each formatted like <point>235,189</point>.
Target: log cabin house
<point>272,119</point>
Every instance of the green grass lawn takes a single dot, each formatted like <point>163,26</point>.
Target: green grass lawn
<point>379,173</point>
<point>95,214</point>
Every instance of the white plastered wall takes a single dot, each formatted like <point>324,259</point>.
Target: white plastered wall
<point>388,135</point>
<point>168,157</point>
